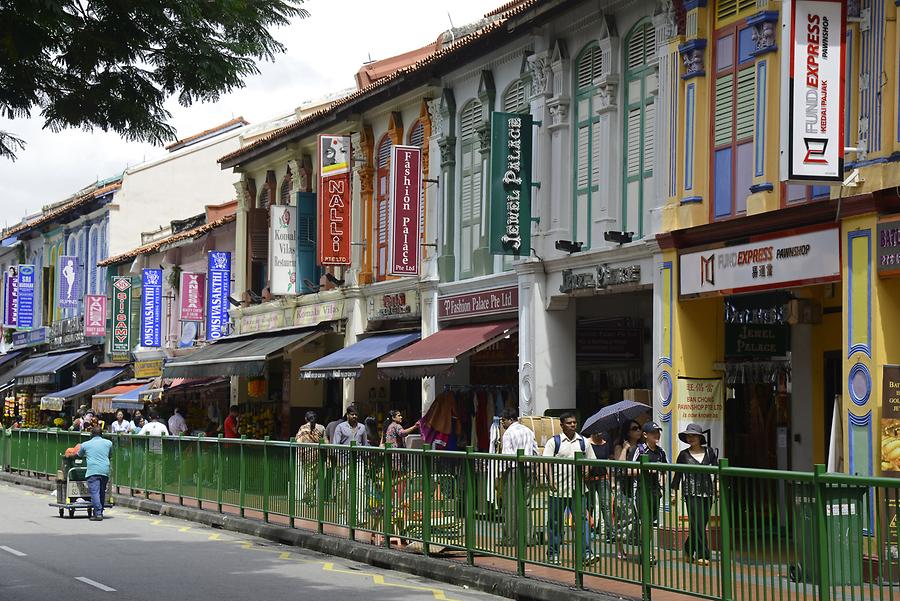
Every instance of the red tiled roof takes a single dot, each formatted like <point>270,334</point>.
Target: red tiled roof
<point>441,55</point>
<point>377,70</point>
<point>79,200</point>
<point>154,246</point>
<point>212,130</point>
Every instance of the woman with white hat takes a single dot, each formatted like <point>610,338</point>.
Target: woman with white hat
<point>698,491</point>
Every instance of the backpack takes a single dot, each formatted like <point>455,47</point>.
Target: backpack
<point>557,438</point>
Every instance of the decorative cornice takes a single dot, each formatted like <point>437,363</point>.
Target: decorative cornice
<point>692,57</point>
<point>690,5</point>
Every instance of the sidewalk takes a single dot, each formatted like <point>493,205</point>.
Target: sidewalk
<point>490,575</point>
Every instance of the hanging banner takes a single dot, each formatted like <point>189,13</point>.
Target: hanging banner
<point>283,250</point>
<point>812,101</point>
<point>193,296</point>
<point>406,207</point>
<point>700,401</point>
<point>121,340</point>
<point>69,282</point>
<point>151,308</point>
<point>11,297</point>
<point>94,316</point>
<point>333,242</point>
<point>511,184</point>
<point>25,304</point>
<point>219,278</point>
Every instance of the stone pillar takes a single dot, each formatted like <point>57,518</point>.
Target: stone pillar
<point>356,323</point>
<point>560,144</point>
<point>428,300</point>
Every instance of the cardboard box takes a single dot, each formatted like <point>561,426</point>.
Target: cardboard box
<point>638,395</point>
<point>544,428</point>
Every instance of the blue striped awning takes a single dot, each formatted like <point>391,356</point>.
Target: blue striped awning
<point>54,401</point>
<point>349,362</point>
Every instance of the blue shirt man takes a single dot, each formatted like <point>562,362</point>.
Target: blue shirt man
<point>98,450</point>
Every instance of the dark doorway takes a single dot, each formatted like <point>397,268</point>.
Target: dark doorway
<point>833,384</point>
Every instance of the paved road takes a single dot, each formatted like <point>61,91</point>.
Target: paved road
<point>136,556</point>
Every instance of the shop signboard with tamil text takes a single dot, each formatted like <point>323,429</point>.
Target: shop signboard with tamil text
<point>405,214</point>
<point>476,304</point>
<point>766,263</point>
<point>510,184</point>
<point>148,369</point>
<point>29,337</point>
<point>69,282</point>
<point>262,322</point>
<point>283,250</point>
<point>193,296</point>
<point>151,308</point>
<point>121,338</point>
<point>812,84</point>
<point>11,297</point>
<point>94,316</point>
<point>218,276</point>
<point>333,241</point>
<point>25,287</point>
<point>888,246</point>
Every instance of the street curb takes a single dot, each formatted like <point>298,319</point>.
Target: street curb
<point>441,570</point>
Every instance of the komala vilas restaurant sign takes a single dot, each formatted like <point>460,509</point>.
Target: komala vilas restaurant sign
<point>812,99</point>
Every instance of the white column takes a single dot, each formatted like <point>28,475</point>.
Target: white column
<point>357,321</point>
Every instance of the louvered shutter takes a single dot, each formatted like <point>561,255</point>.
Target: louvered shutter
<point>725,9</point>
<point>284,196</point>
<point>306,240</point>
<point>649,137</point>
<point>382,209</point>
<point>258,233</point>
<point>417,138</point>
<point>746,103</point>
<point>514,100</point>
<point>590,66</point>
<point>633,143</point>
<point>724,113</point>
<point>470,179</point>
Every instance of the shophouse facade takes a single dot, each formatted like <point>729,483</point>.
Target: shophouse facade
<point>782,294</point>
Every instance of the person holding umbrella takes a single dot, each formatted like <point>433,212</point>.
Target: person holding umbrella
<point>698,491</point>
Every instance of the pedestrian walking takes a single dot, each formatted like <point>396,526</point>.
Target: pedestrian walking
<point>394,432</point>
<point>351,429</point>
<point>137,415</point>
<point>600,494</point>
<point>154,427</point>
<point>649,447</point>
<point>177,423</point>
<point>562,486</point>
<point>97,450</point>
<point>138,424</point>
<point>309,433</point>
<point>121,425</point>
<point>345,433</point>
<point>232,422</point>
<point>698,492</point>
<point>332,426</point>
<point>515,437</point>
<point>624,507</point>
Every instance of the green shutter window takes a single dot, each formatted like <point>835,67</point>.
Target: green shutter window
<point>588,67</point>
<point>307,269</point>
<point>639,126</point>
<point>722,119</point>
<point>417,138</point>
<point>746,103</point>
<point>470,186</point>
<point>515,99</point>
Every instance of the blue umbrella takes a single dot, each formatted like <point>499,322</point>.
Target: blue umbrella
<point>613,416</point>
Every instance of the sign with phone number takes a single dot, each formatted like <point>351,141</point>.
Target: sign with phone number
<point>888,245</point>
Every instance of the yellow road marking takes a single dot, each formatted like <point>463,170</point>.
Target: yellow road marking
<point>378,579</point>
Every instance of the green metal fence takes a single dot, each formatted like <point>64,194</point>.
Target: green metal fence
<point>728,533</point>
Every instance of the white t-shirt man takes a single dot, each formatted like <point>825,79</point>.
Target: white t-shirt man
<point>123,427</point>
<point>155,429</point>
<point>177,424</point>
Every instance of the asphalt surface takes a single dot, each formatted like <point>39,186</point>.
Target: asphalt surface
<point>135,556</point>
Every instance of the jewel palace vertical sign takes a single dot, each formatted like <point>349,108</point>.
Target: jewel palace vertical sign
<point>219,278</point>
<point>511,184</point>
<point>812,84</point>
<point>333,243</point>
<point>121,338</point>
<point>406,207</point>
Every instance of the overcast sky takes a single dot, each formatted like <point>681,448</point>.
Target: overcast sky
<point>323,54</point>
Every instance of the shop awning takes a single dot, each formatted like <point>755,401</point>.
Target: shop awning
<point>29,370</point>
<point>237,356</point>
<point>441,351</point>
<point>121,396</point>
<point>349,362</point>
<point>54,401</point>
<point>7,360</point>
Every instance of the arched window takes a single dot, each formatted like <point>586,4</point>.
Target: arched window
<point>640,125</point>
<point>515,98</point>
<point>470,186</point>
<point>93,252</point>
<point>588,66</point>
<point>103,252</point>
<point>262,199</point>
<point>284,193</point>
<point>382,205</point>
<point>416,137</point>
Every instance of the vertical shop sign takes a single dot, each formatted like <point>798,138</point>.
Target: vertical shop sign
<point>69,281</point>
<point>94,316</point>
<point>193,296</point>
<point>333,242</point>
<point>406,206</point>
<point>151,308</point>
<point>511,183</point>
<point>219,278</point>
<point>700,401</point>
<point>890,422</point>
<point>812,104</point>
<point>25,305</point>
<point>11,297</point>
<point>121,340</point>
<point>283,250</point>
